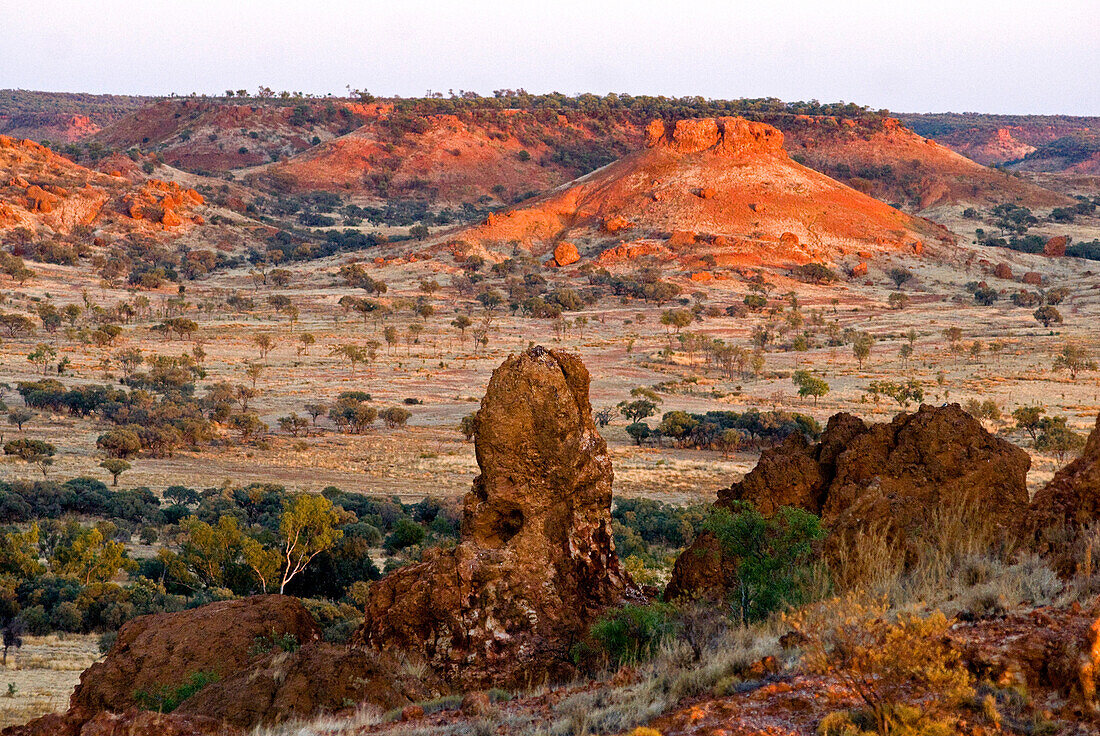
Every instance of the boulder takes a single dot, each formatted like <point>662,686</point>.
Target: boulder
<point>681,238</point>
<point>170,218</point>
<point>860,269</point>
<point>707,192</point>
<point>789,240</point>
<point>1003,271</point>
<point>164,649</point>
<point>566,254</point>
<point>1032,278</point>
<point>889,477</point>
<point>894,476</point>
<point>318,678</point>
<point>616,224</point>
<point>1056,247</point>
<point>535,564</point>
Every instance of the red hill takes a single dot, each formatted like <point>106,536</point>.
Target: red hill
<point>42,191</point>
<point>724,185</point>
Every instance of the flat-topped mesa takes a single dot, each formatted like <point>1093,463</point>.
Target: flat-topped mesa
<point>536,563</point>
<point>728,136</point>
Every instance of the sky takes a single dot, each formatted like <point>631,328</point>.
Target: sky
<point>1008,56</point>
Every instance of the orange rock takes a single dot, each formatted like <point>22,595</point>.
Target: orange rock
<point>616,224</point>
<point>702,276</point>
<point>918,248</point>
<point>170,219</point>
<point>1056,246</point>
<point>566,254</point>
<point>681,237</point>
<point>789,240</point>
<point>707,192</point>
<point>630,251</point>
<point>1033,278</point>
<point>1003,271</point>
<point>860,269</point>
<point>412,713</point>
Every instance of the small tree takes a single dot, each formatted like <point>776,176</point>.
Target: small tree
<point>35,452</point>
<point>638,409</point>
<point>461,323</point>
<point>900,276</point>
<point>861,347</point>
<point>1028,418</point>
<point>1048,315</point>
<point>42,356</point>
<point>308,528</point>
<point>19,417</point>
<point>316,410</point>
<point>14,629</point>
<point>116,467</point>
<point>120,443</point>
<point>810,385</point>
<point>468,426</point>
<point>1074,359</point>
<point>395,416</point>
<point>1056,437</point>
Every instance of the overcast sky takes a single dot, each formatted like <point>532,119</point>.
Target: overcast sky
<point>1005,56</point>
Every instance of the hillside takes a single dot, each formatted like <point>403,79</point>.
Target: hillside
<point>726,185</point>
<point>889,161</point>
<point>1035,143</point>
<point>506,149</point>
<point>61,116</point>
<point>43,192</point>
<point>204,135</point>
<point>453,159</point>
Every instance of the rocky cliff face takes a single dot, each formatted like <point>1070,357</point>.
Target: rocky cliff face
<point>729,136</point>
<point>891,478</point>
<point>536,562</point>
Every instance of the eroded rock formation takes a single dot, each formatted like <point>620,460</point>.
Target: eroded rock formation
<point>251,684</point>
<point>536,562</point>
<point>892,478</point>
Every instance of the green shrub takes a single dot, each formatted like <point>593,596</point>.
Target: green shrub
<point>776,559</point>
<point>168,698</point>
<point>633,632</point>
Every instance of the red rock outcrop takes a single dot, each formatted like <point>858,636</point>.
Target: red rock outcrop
<point>566,254</point>
<point>1003,271</point>
<point>1056,247</point>
<point>888,477</point>
<point>627,252</point>
<point>1032,278</point>
<point>536,562</point>
<point>318,678</point>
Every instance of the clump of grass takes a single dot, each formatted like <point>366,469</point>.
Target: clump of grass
<point>168,697</point>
